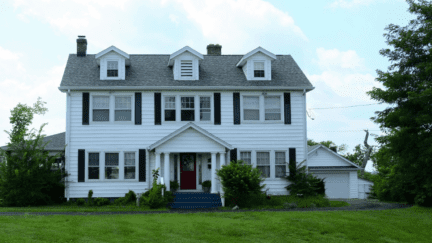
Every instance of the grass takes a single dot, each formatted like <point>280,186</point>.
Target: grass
<point>395,225</point>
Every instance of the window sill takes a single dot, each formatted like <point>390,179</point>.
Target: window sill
<point>117,180</point>
<point>261,122</point>
<point>112,123</point>
<point>184,122</point>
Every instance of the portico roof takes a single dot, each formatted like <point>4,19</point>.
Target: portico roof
<point>184,128</point>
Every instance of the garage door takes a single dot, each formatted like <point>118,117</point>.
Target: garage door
<point>336,184</point>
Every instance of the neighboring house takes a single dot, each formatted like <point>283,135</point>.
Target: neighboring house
<point>55,145</point>
<point>185,113</point>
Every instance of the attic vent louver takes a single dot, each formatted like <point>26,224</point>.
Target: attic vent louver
<point>186,68</point>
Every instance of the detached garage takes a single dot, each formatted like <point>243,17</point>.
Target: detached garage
<point>339,174</point>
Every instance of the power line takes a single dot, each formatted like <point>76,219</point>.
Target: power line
<point>344,131</point>
<point>346,106</point>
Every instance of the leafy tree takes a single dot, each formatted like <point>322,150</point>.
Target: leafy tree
<point>302,183</point>
<point>408,125</point>
<point>26,177</point>
<point>328,144</point>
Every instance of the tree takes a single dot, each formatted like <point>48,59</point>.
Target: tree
<point>328,144</point>
<point>408,125</point>
<point>26,177</point>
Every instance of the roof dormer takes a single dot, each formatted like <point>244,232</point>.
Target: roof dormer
<point>112,62</point>
<point>256,64</point>
<point>185,63</point>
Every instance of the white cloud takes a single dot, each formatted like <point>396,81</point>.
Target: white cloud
<point>9,55</point>
<point>174,18</point>
<point>350,4</point>
<point>335,59</point>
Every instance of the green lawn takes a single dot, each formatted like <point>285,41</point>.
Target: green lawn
<point>395,225</point>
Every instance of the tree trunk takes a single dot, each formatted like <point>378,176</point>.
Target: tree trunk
<point>367,153</point>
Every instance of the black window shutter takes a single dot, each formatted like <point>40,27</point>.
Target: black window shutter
<point>217,108</point>
<point>81,164</point>
<point>85,109</point>
<point>138,117</point>
<point>236,108</point>
<point>233,155</point>
<point>292,159</point>
<point>287,108</point>
<point>157,109</point>
<point>142,164</point>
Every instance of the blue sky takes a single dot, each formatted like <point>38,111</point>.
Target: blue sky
<point>335,42</point>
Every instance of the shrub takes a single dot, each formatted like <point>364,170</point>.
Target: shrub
<point>90,199</point>
<point>80,201</point>
<point>302,183</point>
<point>206,183</point>
<point>101,201</point>
<point>120,201</point>
<point>154,198</point>
<point>130,197</point>
<point>174,185</point>
<point>240,182</point>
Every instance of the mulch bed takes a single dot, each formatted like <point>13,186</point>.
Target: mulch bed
<point>362,207</point>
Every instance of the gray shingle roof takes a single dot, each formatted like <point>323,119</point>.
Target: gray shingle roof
<point>56,142</point>
<point>152,70</point>
<point>310,148</point>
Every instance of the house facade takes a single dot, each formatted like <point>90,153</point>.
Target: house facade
<point>185,113</point>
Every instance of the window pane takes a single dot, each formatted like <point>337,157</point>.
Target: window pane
<point>263,158</point>
<point>170,115</point>
<point>100,115</point>
<point>187,102</point>
<point>129,172</point>
<point>259,73</point>
<point>123,115</point>
<point>272,116</point>
<point>112,73</point>
<point>112,65</point>
<point>123,102</point>
<point>272,103</point>
<point>280,158</point>
<point>251,115</point>
<point>129,159</point>
<point>93,172</point>
<point>100,102</point>
<point>265,171</point>
<point>204,102</point>
<point>93,159</point>
<point>258,65</point>
<point>251,102</point>
<point>169,102</point>
<point>111,172</point>
<point>111,159</point>
<point>187,115</point>
<point>246,157</point>
<point>204,116</point>
<point>280,171</point>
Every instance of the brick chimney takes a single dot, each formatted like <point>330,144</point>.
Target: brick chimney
<point>81,46</point>
<point>214,50</point>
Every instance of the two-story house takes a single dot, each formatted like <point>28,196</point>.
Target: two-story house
<point>185,113</point>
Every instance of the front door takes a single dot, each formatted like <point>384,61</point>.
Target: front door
<point>187,171</point>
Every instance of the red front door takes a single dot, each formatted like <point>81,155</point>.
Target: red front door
<point>187,171</point>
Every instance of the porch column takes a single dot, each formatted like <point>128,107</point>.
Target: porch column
<point>157,162</point>
<point>222,162</point>
<point>213,173</point>
<point>166,171</point>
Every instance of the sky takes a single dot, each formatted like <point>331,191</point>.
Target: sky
<point>335,42</point>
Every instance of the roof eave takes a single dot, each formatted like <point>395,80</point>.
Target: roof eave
<point>235,88</point>
<point>112,48</point>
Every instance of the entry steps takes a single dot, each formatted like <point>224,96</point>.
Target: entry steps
<point>195,200</point>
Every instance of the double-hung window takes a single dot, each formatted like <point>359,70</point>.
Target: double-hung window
<point>129,165</point>
<point>187,109</point>
<point>280,165</point>
<point>123,108</point>
<point>272,106</point>
<point>93,166</point>
<point>246,157</point>
<point>101,108</point>
<point>205,110</point>
<point>111,166</point>
<point>170,111</point>
<point>112,68</point>
<point>263,164</point>
<point>258,69</point>
<point>251,108</point>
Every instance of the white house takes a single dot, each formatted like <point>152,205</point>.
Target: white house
<point>188,114</point>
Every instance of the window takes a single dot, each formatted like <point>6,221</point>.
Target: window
<point>170,109</point>
<point>263,164</point>
<point>272,107</point>
<point>129,165</point>
<point>187,109</point>
<point>101,108</point>
<point>112,70</point>
<point>251,108</point>
<point>205,108</point>
<point>258,69</point>
<point>280,164</point>
<point>123,109</point>
<point>246,157</point>
<point>93,166</point>
<point>186,68</point>
<point>111,166</point>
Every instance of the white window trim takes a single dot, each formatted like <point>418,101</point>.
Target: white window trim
<point>270,158</point>
<point>196,107</point>
<point>102,165</point>
<point>112,109</point>
<point>286,160</point>
<point>194,104</point>
<point>199,108</point>
<point>262,108</point>
<point>118,67</point>
<point>265,70</point>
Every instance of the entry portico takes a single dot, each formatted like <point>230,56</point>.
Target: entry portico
<point>186,141</point>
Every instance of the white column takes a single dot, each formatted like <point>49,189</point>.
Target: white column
<point>213,173</point>
<point>167,171</point>
<point>222,162</point>
<point>158,162</point>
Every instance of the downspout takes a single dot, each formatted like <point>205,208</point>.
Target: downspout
<point>68,142</point>
<point>305,131</point>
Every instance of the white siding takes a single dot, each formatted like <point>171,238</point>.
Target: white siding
<point>120,137</point>
<point>353,184</point>
<point>322,157</point>
<point>364,187</point>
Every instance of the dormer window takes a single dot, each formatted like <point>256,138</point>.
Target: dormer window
<point>186,68</point>
<point>112,69</point>
<point>259,69</point>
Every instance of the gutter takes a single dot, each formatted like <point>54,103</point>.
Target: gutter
<point>177,88</point>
